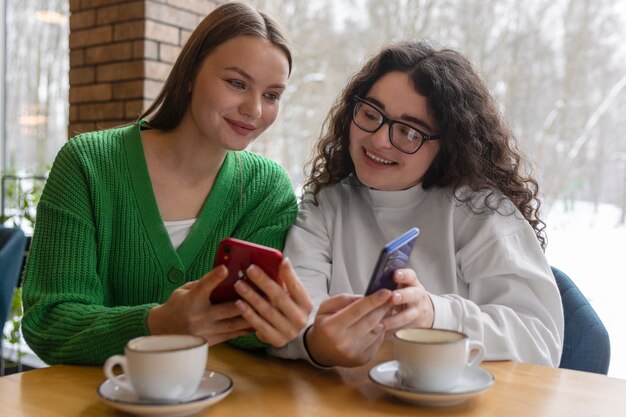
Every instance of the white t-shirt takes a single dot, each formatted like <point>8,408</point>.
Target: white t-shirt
<point>179,230</point>
<point>485,270</point>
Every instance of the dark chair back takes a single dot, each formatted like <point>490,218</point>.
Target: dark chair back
<point>586,346</point>
<point>12,244</point>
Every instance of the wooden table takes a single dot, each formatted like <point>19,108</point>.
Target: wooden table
<point>265,386</point>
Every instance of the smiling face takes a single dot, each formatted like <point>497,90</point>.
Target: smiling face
<point>377,163</point>
<point>236,92</point>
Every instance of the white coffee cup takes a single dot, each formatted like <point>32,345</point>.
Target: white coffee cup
<point>161,367</point>
<point>433,360</point>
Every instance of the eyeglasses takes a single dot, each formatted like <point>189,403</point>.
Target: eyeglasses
<point>403,137</point>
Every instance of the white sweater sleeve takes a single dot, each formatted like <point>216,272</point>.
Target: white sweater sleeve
<point>308,248</point>
<point>513,304</point>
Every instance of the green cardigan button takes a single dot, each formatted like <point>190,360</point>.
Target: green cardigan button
<point>175,275</point>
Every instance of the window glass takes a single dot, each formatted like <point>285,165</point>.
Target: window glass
<point>35,101</point>
<point>36,83</point>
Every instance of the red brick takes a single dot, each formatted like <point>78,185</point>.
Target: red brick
<point>83,75</point>
<point>168,53</point>
<point>184,36</point>
<point>109,53</point>
<point>129,30</point>
<point>146,50</point>
<point>128,89</point>
<point>77,58</point>
<point>157,70</point>
<point>101,111</point>
<point>91,93</point>
<point>162,32</point>
<point>91,4</point>
<point>121,13</point>
<point>201,7</point>
<point>82,20</point>
<point>151,89</point>
<point>73,113</point>
<point>78,128</point>
<point>95,36</point>
<point>107,124</point>
<point>75,6</point>
<point>134,108</point>
<point>130,70</point>
<point>170,15</point>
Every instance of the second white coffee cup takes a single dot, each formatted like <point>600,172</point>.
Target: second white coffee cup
<point>433,360</point>
<point>161,367</point>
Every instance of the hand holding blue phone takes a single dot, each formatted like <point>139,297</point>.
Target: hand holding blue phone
<point>393,256</point>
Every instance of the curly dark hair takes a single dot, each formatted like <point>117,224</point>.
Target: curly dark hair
<point>477,147</point>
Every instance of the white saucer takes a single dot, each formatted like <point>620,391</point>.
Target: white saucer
<point>472,382</point>
<point>214,387</point>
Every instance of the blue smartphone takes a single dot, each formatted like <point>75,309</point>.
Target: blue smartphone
<point>394,255</point>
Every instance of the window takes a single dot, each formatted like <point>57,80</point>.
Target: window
<point>35,63</point>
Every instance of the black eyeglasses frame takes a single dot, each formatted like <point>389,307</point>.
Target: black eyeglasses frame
<point>389,121</point>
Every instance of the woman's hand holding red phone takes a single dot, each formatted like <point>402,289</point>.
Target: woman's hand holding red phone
<point>279,316</point>
<point>188,310</point>
<point>276,318</point>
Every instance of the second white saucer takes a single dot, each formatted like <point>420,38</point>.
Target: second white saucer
<point>214,387</point>
<point>472,382</point>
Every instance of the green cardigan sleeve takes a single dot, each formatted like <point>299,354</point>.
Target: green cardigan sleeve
<point>66,319</point>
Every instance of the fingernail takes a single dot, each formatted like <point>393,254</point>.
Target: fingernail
<point>379,328</point>
<point>240,305</point>
<point>222,270</point>
<point>383,294</point>
<point>241,286</point>
<point>252,271</point>
<point>397,296</point>
<point>400,274</point>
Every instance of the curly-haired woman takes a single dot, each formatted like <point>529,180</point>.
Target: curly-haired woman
<point>416,140</point>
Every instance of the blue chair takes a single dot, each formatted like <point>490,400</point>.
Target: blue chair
<point>586,346</point>
<point>12,245</point>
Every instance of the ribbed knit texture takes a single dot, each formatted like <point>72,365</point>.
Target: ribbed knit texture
<point>101,256</point>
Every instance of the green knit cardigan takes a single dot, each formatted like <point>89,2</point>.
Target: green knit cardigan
<point>101,257</point>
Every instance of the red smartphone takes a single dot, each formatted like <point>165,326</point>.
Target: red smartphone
<point>237,255</point>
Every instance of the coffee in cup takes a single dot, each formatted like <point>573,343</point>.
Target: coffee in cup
<point>433,360</point>
<point>160,367</point>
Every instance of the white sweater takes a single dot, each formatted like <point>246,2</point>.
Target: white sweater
<point>486,272</point>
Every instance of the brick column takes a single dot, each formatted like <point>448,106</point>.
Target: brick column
<point>121,52</point>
